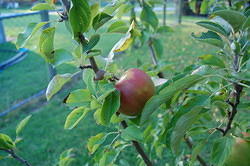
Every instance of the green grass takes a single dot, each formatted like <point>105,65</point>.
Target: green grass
<point>44,137</point>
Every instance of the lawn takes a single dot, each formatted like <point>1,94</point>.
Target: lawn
<point>44,137</point>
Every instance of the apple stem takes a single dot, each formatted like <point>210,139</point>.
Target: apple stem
<point>138,147</point>
<point>15,156</point>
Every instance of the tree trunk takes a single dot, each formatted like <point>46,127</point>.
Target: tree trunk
<point>164,12</point>
<point>179,7</point>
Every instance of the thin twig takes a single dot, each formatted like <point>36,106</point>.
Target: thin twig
<point>237,92</point>
<point>153,56</point>
<point>99,73</point>
<point>190,145</point>
<point>85,67</point>
<point>93,64</point>
<point>15,156</point>
<point>138,147</point>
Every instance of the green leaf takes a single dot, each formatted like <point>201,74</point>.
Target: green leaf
<point>132,133</point>
<point>62,56</point>
<point>204,7</point>
<point>164,29</point>
<point>67,153</point>
<point>110,106</point>
<point>95,141</point>
<point>159,81</point>
<point>6,142</point>
<point>247,12</point>
<point>210,38</point>
<point>197,149</point>
<point>246,23</point>
<point>108,158</point>
<point>123,9</point>
<point>148,16</point>
<point>199,100</point>
<point>93,53</point>
<point>94,104</point>
<point>80,17</point>
<point>242,75</point>
<point>223,23</point>
<point>88,78</point>
<point>56,84</point>
<point>67,158</point>
<point>212,60</point>
<point>112,7</point>
<point>75,117</point>
<point>166,94</point>
<point>46,44</point>
<point>92,42</point>
<point>221,150</point>
<point>158,47</point>
<point>192,5</point>
<point>78,98</point>
<point>103,96</point>
<point>94,9</point>
<point>213,27</point>
<point>118,27</point>
<point>100,19</point>
<point>234,18</point>
<point>43,6</point>
<point>97,116</point>
<point>29,32</point>
<point>78,53</point>
<point>22,124</point>
<point>182,126</point>
<point>203,70</point>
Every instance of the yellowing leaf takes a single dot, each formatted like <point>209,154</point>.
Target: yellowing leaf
<point>6,142</point>
<point>75,117</point>
<point>124,43</point>
<point>56,84</point>
<point>95,141</point>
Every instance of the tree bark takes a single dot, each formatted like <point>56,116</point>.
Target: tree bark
<point>164,12</point>
<point>179,8</point>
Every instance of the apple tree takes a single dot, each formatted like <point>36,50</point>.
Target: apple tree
<point>195,117</point>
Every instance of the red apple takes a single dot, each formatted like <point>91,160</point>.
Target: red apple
<point>240,155</point>
<point>136,88</point>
